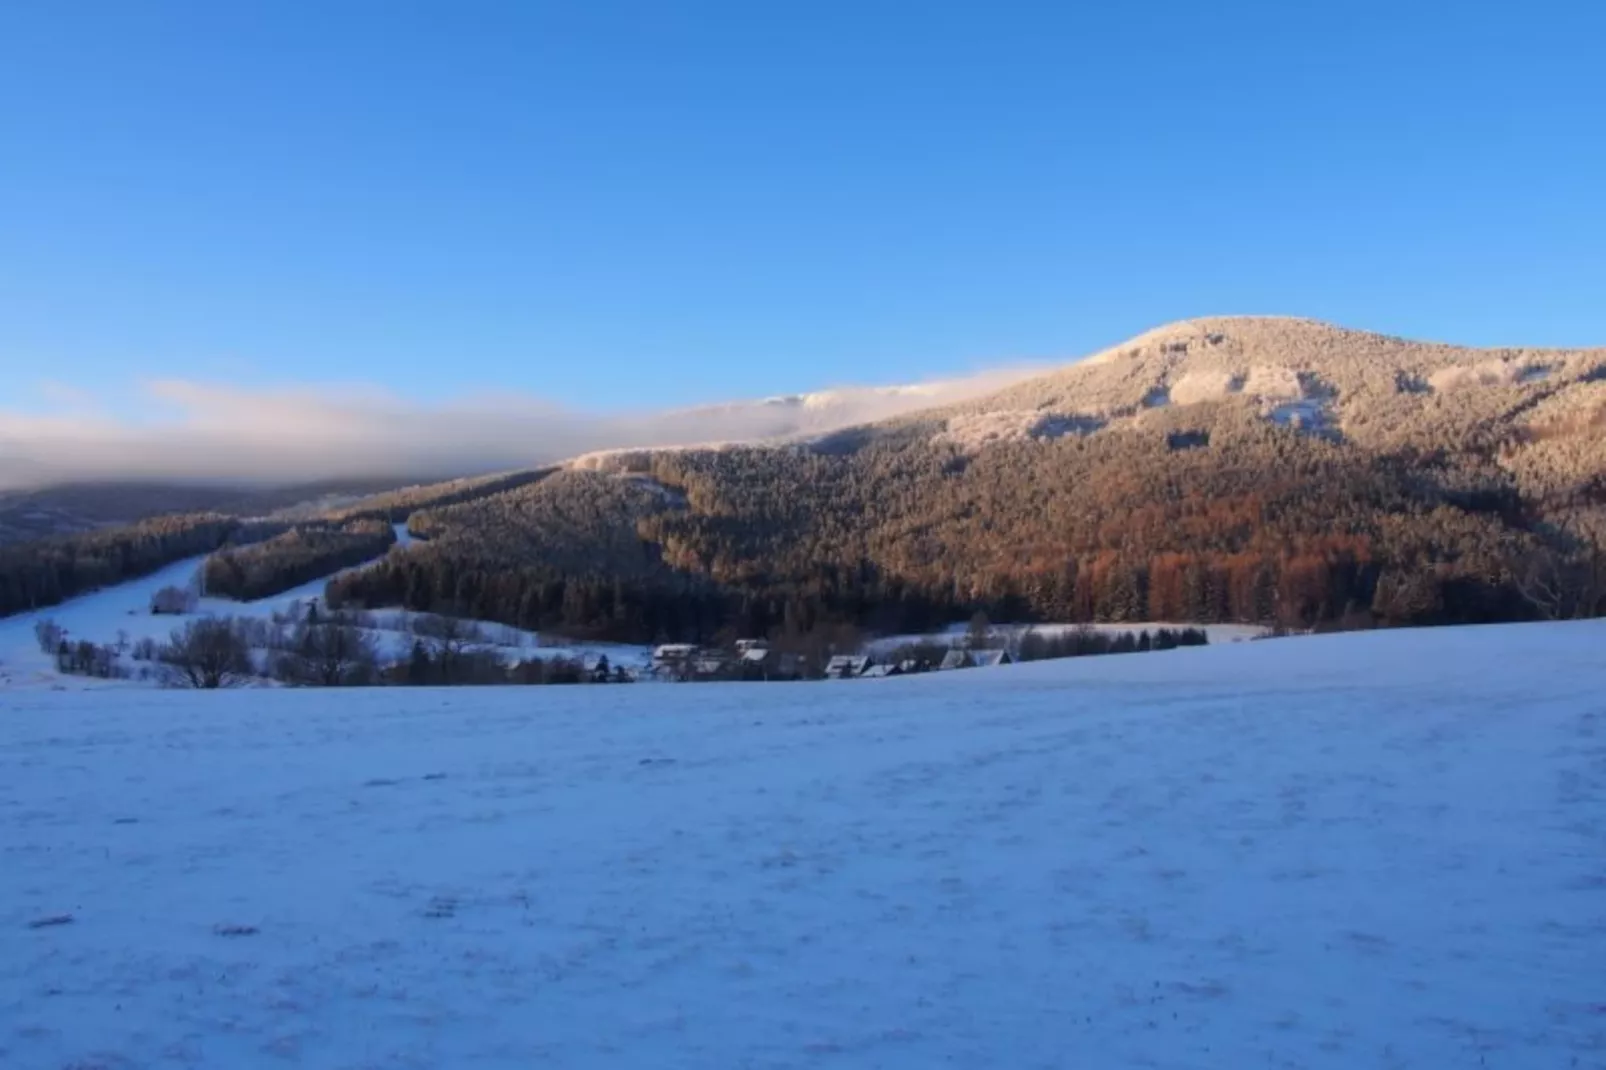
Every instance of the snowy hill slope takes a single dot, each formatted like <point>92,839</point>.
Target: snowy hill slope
<point>1382,849</point>
<point>102,616</point>
<point>123,611</point>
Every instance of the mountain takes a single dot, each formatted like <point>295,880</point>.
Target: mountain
<point>1252,469</point>
<point>1229,468</point>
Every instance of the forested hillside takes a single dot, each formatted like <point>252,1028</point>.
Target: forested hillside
<point>1226,470</point>
<point>45,571</point>
<point>564,553</point>
<point>397,505</point>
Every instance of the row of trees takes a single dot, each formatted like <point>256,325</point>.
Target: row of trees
<point>224,652</point>
<point>304,553</point>
<point>46,572</point>
<point>1039,644</point>
<point>1087,642</point>
<point>395,506</point>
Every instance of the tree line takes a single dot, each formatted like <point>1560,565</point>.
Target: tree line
<point>295,557</point>
<point>311,650</point>
<point>45,572</point>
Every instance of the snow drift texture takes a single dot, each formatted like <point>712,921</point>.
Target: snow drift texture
<point>1370,850</point>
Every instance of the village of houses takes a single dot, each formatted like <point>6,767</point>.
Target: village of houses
<point>756,659</point>
<point>977,646</point>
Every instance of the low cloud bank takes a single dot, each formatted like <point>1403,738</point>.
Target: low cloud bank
<point>217,433</point>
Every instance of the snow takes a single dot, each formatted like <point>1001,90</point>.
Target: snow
<point>1206,385</point>
<point>395,633</point>
<point>1373,850</point>
<point>1273,382</point>
<point>1486,373</point>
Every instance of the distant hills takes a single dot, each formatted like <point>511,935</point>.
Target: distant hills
<point>67,509</point>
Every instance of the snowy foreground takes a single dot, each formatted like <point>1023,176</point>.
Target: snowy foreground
<point>1381,850</point>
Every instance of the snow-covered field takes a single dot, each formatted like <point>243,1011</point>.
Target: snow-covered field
<point>1373,850</point>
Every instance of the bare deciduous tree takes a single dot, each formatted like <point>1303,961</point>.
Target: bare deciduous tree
<point>329,655</point>
<point>1566,577</point>
<point>207,654</point>
<point>1544,579</point>
<point>49,634</point>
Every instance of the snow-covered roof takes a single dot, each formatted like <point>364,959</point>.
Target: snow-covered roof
<point>847,665</point>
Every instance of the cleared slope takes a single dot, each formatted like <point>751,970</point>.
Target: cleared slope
<point>124,611</point>
<point>1252,856</point>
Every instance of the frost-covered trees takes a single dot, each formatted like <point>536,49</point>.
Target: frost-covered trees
<point>305,553</point>
<point>48,571</point>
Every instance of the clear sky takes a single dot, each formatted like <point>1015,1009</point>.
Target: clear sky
<point>618,204</point>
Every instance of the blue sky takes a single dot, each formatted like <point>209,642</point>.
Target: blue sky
<point>617,205</point>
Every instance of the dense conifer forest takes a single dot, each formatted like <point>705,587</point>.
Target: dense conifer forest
<point>47,571</point>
